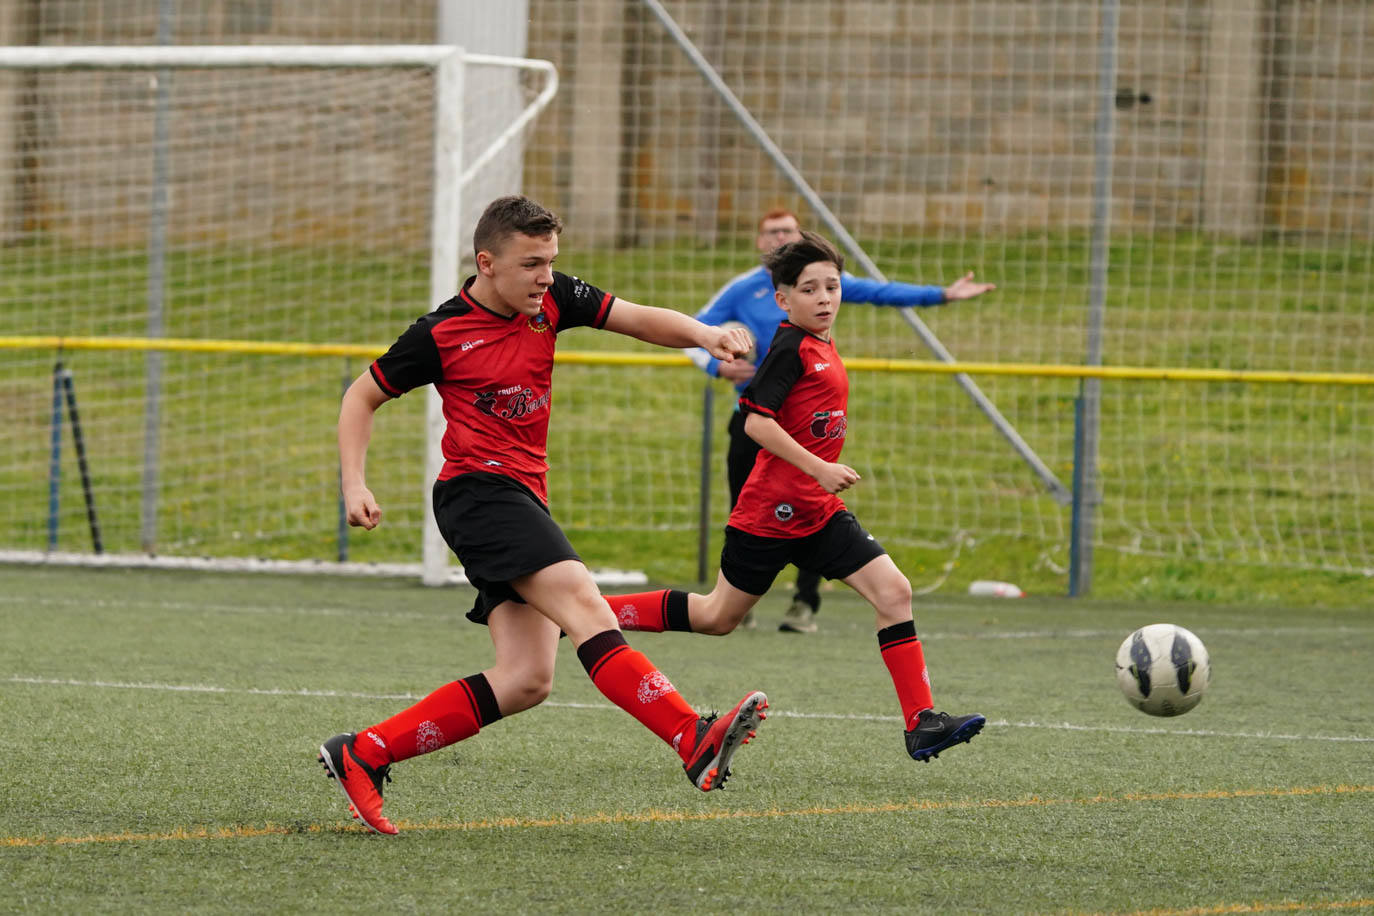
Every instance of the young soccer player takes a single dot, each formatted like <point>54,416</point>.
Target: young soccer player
<point>489,352</point>
<point>796,407</point>
<point>749,298</point>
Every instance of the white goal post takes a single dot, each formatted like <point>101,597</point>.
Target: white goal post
<point>450,174</point>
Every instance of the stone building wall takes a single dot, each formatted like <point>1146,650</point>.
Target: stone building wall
<point>1237,116</point>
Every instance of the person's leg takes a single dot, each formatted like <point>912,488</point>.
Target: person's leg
<point>806,603</point>
<point>743,451</point>
<point>927,732</point>
<point>526,644</point>
<point>715,614</point>
<point>748,565</point>
<point>565,593</point>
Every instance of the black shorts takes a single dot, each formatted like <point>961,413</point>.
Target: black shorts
<point>841,548</point>
<point>499,531</point>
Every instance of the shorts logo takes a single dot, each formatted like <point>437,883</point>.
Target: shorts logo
<point>783,512</point>
<point>654,686</point>
<point>628,616</point>
<point>428,738</point>
<point>539,323</point>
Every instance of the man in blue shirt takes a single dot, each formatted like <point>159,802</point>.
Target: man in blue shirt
<point>749,299</point>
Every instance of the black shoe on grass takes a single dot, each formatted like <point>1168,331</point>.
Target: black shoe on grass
<point>936,731</point>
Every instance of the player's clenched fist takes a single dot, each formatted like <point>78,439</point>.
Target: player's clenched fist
<point>362,509</point>
<point>727,343</point>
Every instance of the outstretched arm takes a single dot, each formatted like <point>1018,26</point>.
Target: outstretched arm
<point>769,434</point>
<point>875,292</point>
<point>360,402</point>
<point>668,328</point>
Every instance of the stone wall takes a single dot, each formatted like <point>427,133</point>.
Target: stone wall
<point>1235,116</point>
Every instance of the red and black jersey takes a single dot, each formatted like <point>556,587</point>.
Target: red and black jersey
<point>493,373</point>
<point>802,384</point>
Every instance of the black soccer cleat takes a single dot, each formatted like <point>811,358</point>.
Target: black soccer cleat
<point>936,731</point>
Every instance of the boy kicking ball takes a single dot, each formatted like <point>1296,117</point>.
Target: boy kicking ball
<point>789,510</point>
<point>490,352</point>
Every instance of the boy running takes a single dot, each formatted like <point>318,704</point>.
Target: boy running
<point>788,511</point>
<point>489,352</point>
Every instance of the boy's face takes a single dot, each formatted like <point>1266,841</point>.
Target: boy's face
<point>814,300</point>
<point>519,273</point>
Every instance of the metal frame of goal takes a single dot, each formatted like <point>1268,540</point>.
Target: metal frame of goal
<point>451,174</point>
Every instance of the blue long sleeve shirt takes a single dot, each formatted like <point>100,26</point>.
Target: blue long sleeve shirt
<point>748,298</point>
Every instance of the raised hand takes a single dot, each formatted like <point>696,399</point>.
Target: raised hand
<point>966,288</point>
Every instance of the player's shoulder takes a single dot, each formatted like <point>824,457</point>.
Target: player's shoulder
<point>456,307</point>
<point>571,286</point>
<point>453,309</point>
<point>789,337</point>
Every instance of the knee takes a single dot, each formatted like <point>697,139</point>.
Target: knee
<point>531,692</point>
<point>711,617</point>
<point>522,689</point>
<point>895,595</point>
<point>713,624</point>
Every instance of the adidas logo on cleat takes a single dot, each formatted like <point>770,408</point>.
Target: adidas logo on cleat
<point>360,783</point>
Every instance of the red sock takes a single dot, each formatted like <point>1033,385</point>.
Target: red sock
<point>905,661</point>
<point>651,612</point>
<point>447,716</point>
<point>630,681</point>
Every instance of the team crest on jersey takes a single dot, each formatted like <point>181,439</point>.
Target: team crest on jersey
<point>539,323</point>
<point>783,512</point>
<point>828,424</point>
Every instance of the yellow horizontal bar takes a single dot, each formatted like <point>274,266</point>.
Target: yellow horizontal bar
<point>589,358</point>
<point>187,345</point>
<point>1163,374</point>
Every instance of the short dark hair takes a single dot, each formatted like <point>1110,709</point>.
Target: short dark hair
<point>511,215</point>
<point>786,263</point>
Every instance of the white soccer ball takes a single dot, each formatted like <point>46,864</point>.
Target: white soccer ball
<point>753,342</point>
<point>1163,669</point>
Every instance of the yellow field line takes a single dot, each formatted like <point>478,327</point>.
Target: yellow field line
<point>1038,370</point>
<point>660,816</point>
<point>1258,906</point>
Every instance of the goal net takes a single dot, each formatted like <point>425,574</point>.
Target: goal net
<point>272,194</point>
<point>1236,233</point>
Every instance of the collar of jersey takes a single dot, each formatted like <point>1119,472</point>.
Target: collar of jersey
<point>471,300</point>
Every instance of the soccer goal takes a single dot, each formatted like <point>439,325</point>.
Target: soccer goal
<point>264,193</point>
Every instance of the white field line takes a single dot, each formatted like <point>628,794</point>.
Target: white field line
<point>783,713</point>
<point>460,608</point>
